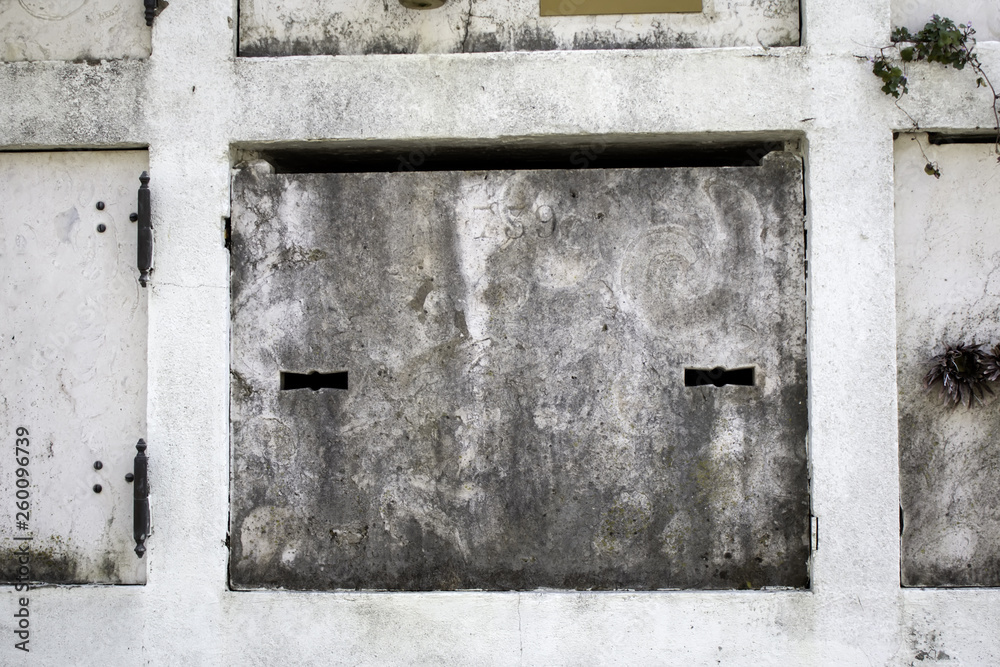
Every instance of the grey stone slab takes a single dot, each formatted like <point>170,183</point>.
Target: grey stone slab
<point>947,289</point>
<point>344,27</point>
<point>516,414</point>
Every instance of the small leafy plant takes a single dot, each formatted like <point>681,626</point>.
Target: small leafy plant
<point>963,371</point>
<point>939,41</point>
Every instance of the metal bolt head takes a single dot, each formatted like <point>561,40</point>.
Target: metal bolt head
<point>129,477</point>
<point>98,465</point>
<point>133,217</point>
<point>101,228</point>
<point>100,206</point>
<point>98,488</point>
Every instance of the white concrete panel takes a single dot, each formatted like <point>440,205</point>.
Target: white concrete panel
<point>342,27</point>
<point>74,352</point>
<point>73,30</point>
<point>947,293</point>
<point>983,15</point>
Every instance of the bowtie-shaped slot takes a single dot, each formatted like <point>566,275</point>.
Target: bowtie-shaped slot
<point>314,381</point>
<point>719,377</point>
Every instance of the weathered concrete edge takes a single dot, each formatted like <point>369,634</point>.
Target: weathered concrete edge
<point>62,105</point>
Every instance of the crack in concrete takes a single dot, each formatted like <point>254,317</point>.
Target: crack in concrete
<point>520,633</point>
<point>465,34</point>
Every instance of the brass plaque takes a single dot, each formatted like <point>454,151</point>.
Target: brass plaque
<point>594,7</point>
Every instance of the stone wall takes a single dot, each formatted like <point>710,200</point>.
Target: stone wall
<point>199,109</point>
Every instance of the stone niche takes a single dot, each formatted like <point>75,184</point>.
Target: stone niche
<point>503,380</point>
<point>947,291</point>
<point>348,27</point>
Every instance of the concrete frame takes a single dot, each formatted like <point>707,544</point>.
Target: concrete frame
<point>192,102</point>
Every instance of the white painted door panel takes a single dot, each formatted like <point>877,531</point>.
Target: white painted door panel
<point>947,293</point>
<point>73,351</point>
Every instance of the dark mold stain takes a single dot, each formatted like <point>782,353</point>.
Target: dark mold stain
<point>948,488</point>
<point>774,25</point>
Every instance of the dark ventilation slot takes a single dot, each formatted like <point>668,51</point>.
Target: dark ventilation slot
<point>718,376</point>
<point>939,139</point>
<point>314,381</point>
<point>573,153</point>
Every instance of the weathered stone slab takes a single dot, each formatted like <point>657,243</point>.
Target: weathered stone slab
<point>947,291</point>
<point>343,27</point>
<point>73,30</point>
<point>517,415</point>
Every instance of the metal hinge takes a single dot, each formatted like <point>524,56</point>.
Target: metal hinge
<point>140,499</point>
<point>144,254</point>
<point>814,533</point>
<point>151,7</point>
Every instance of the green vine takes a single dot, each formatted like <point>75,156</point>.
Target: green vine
<point>940,41</point>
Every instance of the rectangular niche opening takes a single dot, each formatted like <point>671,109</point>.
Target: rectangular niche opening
<point>345,27</point>
<point>557,153</point>
<point>947,291</point>
<point>518,343</point>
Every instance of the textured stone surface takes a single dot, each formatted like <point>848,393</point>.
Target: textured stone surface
<point>73,353</point>
<point>516,414</point>
<point>947,290</point>
<point>73,30</point>
<point>341,27</point>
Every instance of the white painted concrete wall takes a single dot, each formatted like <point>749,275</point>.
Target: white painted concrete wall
<point>947,291</point>
<point>73,318</point>
<point>192,101</point>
